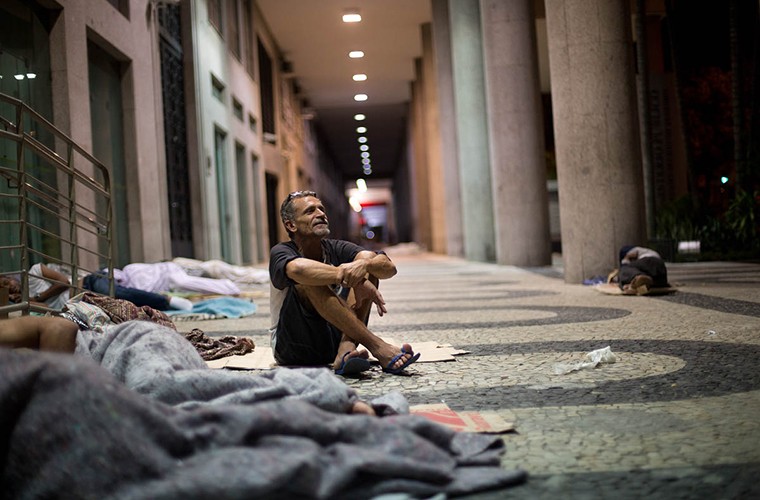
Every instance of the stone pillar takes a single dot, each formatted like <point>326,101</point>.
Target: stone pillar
<point>516,133</point>
<point>433,145</point>
<point>447,128</point>
<point>472,130</point>
<point>421,193</point>
<point>598,156</point>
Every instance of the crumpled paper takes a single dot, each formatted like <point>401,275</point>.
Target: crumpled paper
<point>592,360</point>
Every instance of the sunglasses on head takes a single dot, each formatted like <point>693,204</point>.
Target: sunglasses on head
<point>300,194</point>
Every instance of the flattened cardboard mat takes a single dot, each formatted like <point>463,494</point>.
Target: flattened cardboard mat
<point>614,289</point>
<point>466,421</point>
<point>262,358</point>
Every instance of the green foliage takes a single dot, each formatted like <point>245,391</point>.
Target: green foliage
<point>734,235</point>
<point>743,217</point>
<point>678,221</point>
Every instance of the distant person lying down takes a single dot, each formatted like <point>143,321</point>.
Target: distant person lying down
<point>50,288</point>
<point>135,413</point>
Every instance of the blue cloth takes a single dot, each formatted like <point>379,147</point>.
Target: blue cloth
<point>224,306</point>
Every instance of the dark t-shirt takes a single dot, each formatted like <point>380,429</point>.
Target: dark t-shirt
<point>336,252</point>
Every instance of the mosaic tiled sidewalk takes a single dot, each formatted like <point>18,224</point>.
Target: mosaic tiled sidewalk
<point>677,416</point>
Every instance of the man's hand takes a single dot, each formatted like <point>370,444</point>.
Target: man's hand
<point>367,291</point>
<point>354,273</point>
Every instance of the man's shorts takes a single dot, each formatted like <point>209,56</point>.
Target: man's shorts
<point>303,337</point>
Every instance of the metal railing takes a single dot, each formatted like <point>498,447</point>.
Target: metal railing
<point>55,204</point>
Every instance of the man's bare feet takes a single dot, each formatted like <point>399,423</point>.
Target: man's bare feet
<point>345,355</point>
<point>351,362</point>
<point>398,359</point>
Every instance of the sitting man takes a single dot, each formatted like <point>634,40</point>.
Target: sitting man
<point>323,290</point>
<point>641,267</point>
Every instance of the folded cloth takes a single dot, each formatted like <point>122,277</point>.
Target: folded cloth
<point>228,307</point>
<point>216,348</point>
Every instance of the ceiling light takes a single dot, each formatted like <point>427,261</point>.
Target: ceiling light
<point>360,97</point>
<point>364,147</point>
<point>362,139</point>
<point>31,76</point>
<point>365,154</point>
<point>19,76</point>
<point>352,17</point>
<point>361,185</point>
<point>367,171</point>
<point>356,54</point>
<point>355,204</point>
<point>359,117</point>
<point>366,161</point>
<point>359,77</point>
<point>361,130</point>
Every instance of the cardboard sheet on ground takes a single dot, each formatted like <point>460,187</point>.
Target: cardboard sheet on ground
<point>429,351</point>
<point>263,359</point>
<point>614,289</point>
<point>468,421</point>
<point>260,359</point>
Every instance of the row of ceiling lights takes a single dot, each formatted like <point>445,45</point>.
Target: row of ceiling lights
<point>21,76</point>
<point>353,16</point>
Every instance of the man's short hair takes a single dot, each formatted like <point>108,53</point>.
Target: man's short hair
<point>287,210</point>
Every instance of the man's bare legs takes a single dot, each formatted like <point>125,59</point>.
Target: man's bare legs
<point>347,347</point>
<point>39,332</point>
<point>337,312</point>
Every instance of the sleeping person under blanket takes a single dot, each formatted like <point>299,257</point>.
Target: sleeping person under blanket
<point>136,413</point>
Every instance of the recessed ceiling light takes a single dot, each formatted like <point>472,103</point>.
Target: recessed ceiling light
<point>361,130</point>
<point>362,139</point>
<point>360,97</point>
<point>352,17</point>
<point>359,77</point>
<point>359,117</point>
<point>364,147</point>
<point>365,154</point>
<point>31,76</point>
<point>356,54</point>
<point>367,171</point>
<point>366,161</point>
<point>19,76</point>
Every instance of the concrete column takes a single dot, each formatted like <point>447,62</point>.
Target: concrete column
<point>447,128</point>
<point>516,133</point>
<point>433,145</point>
<point>598,157</point>
<point>472,130</point>
<point>420,164</point>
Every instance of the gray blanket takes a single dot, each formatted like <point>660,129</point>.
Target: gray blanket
<point>153,422</point>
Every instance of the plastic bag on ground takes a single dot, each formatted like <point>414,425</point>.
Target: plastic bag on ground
<point>592,360</point>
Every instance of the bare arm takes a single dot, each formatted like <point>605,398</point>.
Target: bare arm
<point>55,288</point>
<point>632,255</point>
<point>367,263</point>
<point>311,272</point>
